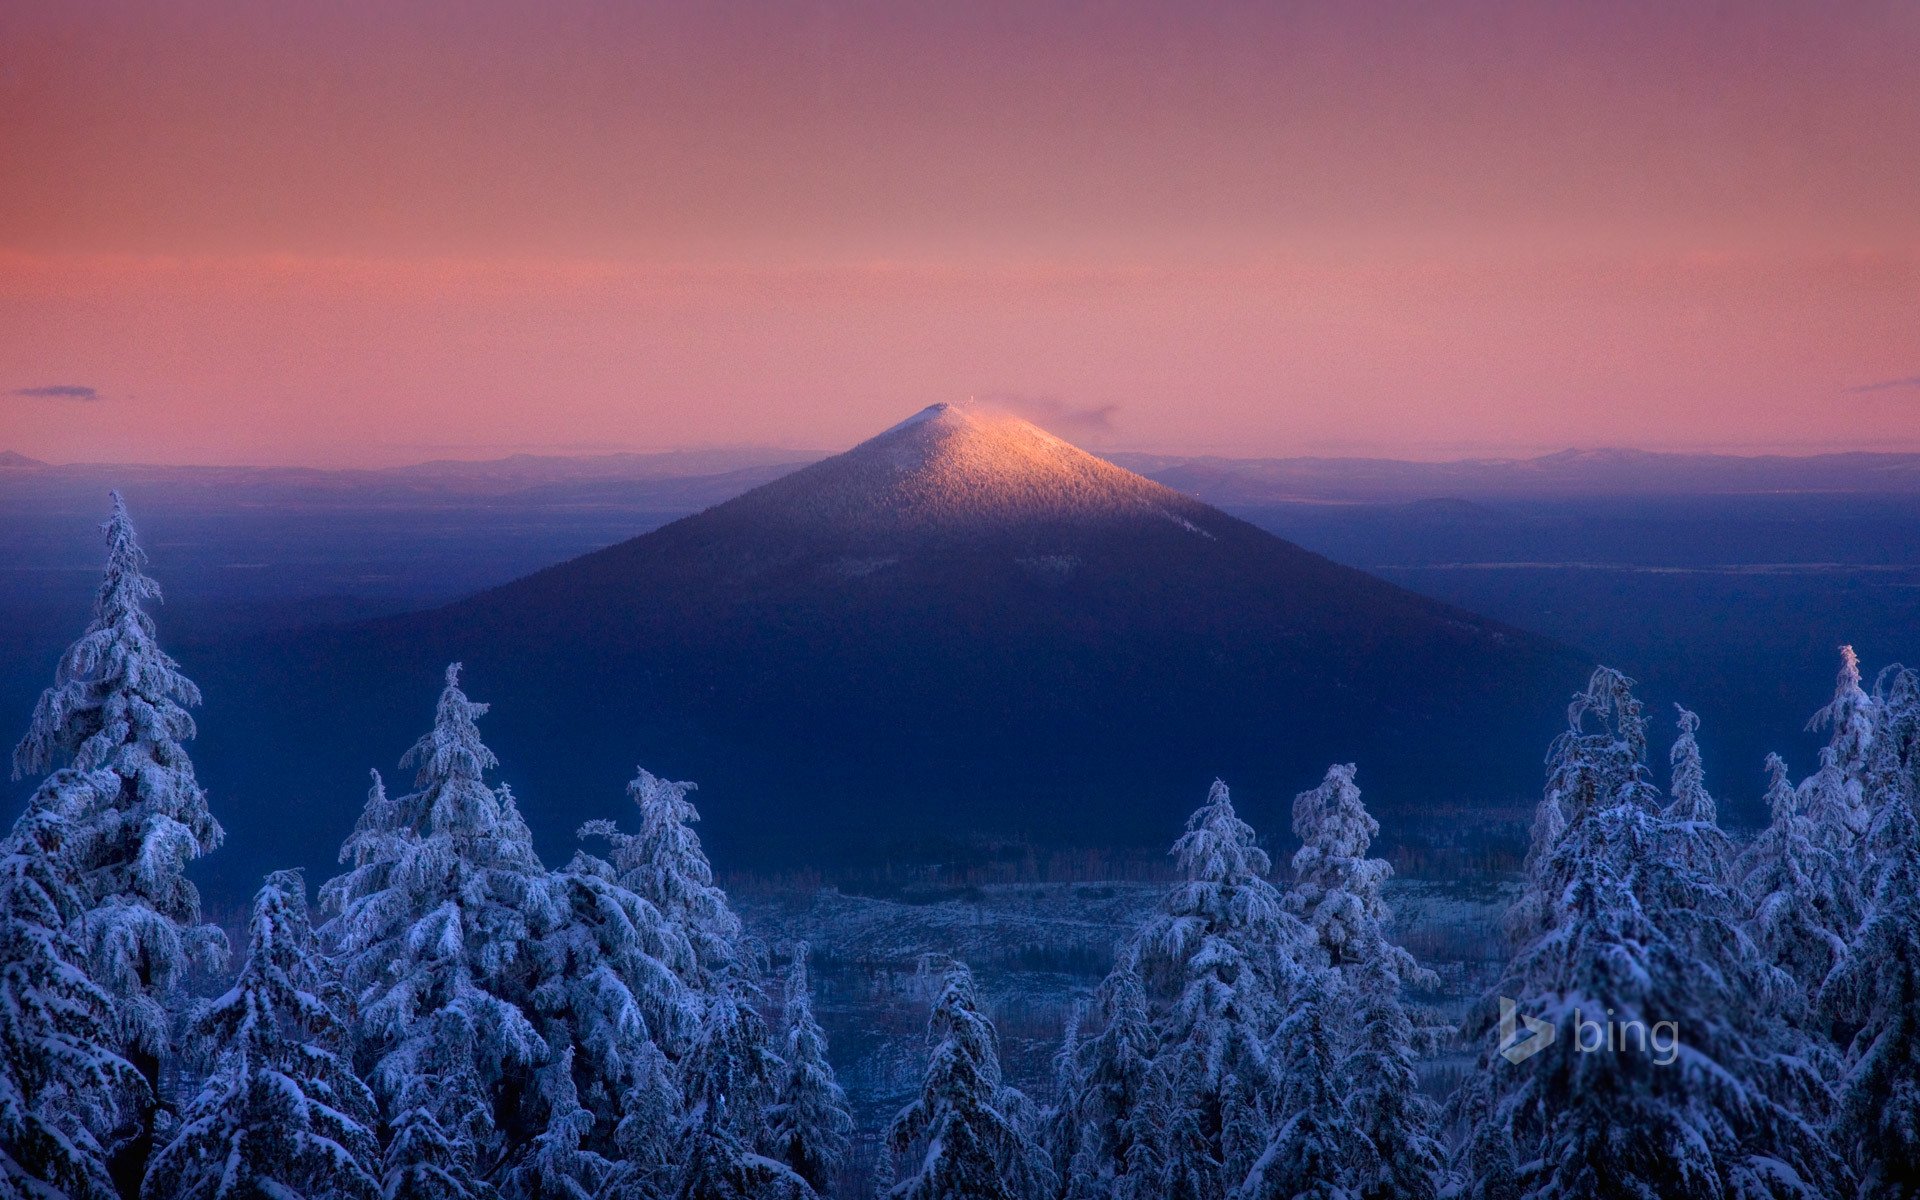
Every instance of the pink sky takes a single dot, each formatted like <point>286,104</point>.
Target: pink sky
<point>373,233</point>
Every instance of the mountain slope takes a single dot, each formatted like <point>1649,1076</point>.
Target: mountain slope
<point>961,626</point>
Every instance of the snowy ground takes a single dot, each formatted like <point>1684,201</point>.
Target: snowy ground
<point>1037,949</point>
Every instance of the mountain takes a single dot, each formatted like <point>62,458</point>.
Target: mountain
<point>963,626</point>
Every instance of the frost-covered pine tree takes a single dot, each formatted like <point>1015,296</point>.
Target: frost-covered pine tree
<point>809,1127</point>
<point>647,1139</point>
<point>734,1065</point>
<point>1107,1103</point>
<point>1799,904</point>
<point>1226,952</point>
<point>1061,1130</point>
<point>438,1119</point>
<point>1336,888</point>
<point>282,1114</point>
<point>1893,766</point>
<point>607,997</point>
<point>1876,991</point>
<point>1628,932</point>
<point>967,1144</point>
<point>1381,1085</point>
<point>1836,796</point>
<point>438,926</point>
<point>665,864</point>
<point>720,1165</point>
<point>118,707</point>
<point>1690,807</point>
<point>1318,1151</point>
<point>63,1088</point>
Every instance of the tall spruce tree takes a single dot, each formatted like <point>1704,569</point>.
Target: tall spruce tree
<point>281,1114</point>
<point>1876,990</point>
<point>608,999</point>
<point>968,1144</point>
<point>665,864</point>
<point>1225,954</point>
<point>1337,891</point>
<point>1690,806</point>
<point>1108,1104</point>
<point>1629,932</point>
<point>64,1090</point>
<point>1381,1085</point>
<point>1798,901</point>
<point>437,926</point>
<point>810,1128</point>
<point>118,707</point>
<point>1318,1150</point>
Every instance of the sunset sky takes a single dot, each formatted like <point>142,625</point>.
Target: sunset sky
<point>371,233</point>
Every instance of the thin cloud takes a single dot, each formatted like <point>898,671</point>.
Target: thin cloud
<point>1059,416</point>
<point>58,391</point>
<point>1910,383</point>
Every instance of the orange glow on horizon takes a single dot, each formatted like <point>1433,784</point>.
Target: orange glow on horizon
<point>370,233</point>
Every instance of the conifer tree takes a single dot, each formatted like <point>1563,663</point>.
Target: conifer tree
<point>809,1126</point>
<point>606,996</point>
<point>1381,1086</point>
<point>63,1088</point>
<point>1318,1152</point>
<point>1836,798</point>
<point>646,1140</point>
<point>1227,953</point>
<point>1690,807</point>
<point>968,1144</point>
<point>1337,889</point>
<point>734,1065</point>
<point>1876,990</point>
<point>1892,776</point>
<point>665,865</point>
<point>721,1166</point>
<point>1109,1104</point>
<point>1798,902</point>
<point>1628,932</point>
<point>282,1114</point>
<point>438,926</point>
<point>118,707</point>
<point>1062,1128</point>
<point>438,1118</point>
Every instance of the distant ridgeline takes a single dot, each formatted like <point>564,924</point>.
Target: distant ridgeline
<point>1701,1019</point>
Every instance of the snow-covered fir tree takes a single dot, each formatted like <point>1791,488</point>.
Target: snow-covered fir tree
<point>1318,1150</point>
<point>1107,1103</point>
<point>1628,932</point>
<point>665,864</point>
<point>1337,889</point>
<point>1892,776</point>
<point>965,1143</point>
<point>809,1127</point>
<point>63,1088</point>
<point>1798,902</point>
<point>438,925</point>
<point>118,706</point>
<point>1225,952</point>
<point>647,1139</point>
<point>438,1118</point>
<point>1836,796</point>
<point>1876,991</point>
<point>608,999</point>
<point>1062,1128</point>
<point>734,1065</point>
<point>1381,1086</point>
<point>720,1165</point>
<point>1690,806</point>
<point>282,1114</point>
